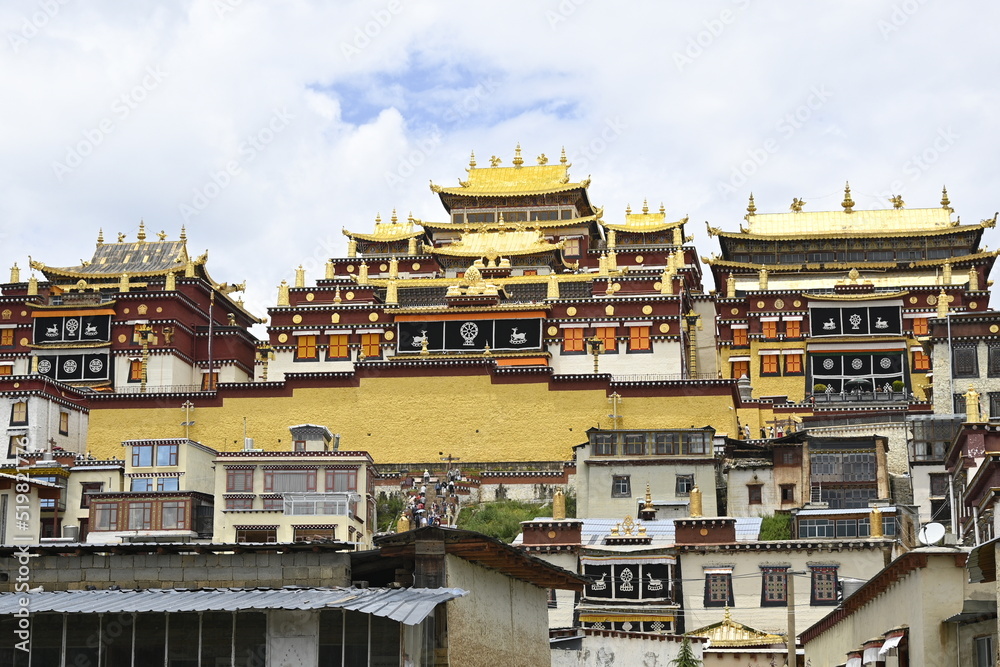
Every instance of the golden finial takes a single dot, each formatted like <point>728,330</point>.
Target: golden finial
<point>848,203</point>
<point>121,237</point>
<point>542,159</point>
<point>495,161</point>
<point>409,216</point>
<point>162,235</point>
<point>15,273</point>
<point>797,204</point>
<point>897,201</point>
<point>378,218</point>
<point>645,206</point>
<point>518,160</point>
<point>141,236</point>
<point>336,295</point>
<point>184,236</point>
<point>648,505</point>
<point>100,236</point>
<point>663,211</point>
<point>751,207</point>
<point>472,160</point>
<point>628,209</point>
<point>394,219</point>
<point>423,347</point>
<point>562,156</point>
<point>487,352</point>
<point>945,202</point>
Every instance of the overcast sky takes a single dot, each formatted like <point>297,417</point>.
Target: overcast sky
<point>267,127</point>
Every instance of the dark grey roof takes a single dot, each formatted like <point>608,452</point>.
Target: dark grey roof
<point>406,605</point>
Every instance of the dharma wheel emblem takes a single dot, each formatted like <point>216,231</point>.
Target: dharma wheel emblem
<point>885,362</point>
<point>856,364</point>
<point>69,366</point>
<point>469,331</point>
<point>72,326</point>
<point>855,321</point>
<point>95,365</point>
<point>44,366</point>
<point>828,364</point>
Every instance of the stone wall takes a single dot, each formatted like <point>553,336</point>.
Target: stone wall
<point>271,569</point>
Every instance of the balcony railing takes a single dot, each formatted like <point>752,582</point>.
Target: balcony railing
<point>863,397</point>
<point>329,504</point>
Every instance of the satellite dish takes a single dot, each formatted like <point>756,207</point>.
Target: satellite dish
<point>931,534</point>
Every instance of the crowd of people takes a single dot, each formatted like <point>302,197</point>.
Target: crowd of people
<point>441,508</point>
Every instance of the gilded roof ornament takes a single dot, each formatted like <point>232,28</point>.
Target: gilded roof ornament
<point>435,188</point>
<point>648,504</point>
<point>848,203</point>
<point>121,237</point>
<point>897,201</point>
<point>797,204</point>
<point>663,211</point>
<point>751,207</point>
<point>472,160</point>
<point>161,235</point>
<point>518,160</point>
<point>141,236</point>
<point>645,206</point>
<point>945,202</point>
<point>562,157</point>
<point>184,236</point>
<point>712,231</point>
<point>542,159</point>
<point>394,219</point>
<point>100,236</point>
<point>495,161</point>
<point>628,209</point>
<point>336,295</point>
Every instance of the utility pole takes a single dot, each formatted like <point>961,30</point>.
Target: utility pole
<point>791,659</point>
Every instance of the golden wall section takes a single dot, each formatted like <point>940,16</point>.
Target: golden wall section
<point>408,419</point>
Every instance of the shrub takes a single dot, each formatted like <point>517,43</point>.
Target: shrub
<point>819,388</point>
<point>898,385</point>
<point>776,527</point>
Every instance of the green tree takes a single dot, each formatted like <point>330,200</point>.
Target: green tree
<point>776,527</point>
<point>501,519</point>
<point>686,657</point>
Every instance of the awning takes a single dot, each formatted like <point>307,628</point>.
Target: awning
<point>406,605</point>
<point>872,654</point>
<point>973,611</point>
<point>891,642</point>
<point>982,563</point>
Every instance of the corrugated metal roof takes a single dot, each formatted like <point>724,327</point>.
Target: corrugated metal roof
<point>406,605</point>
<point>861,511</point>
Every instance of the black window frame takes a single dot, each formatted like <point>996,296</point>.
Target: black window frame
<point>965,362</point>
<point>683,480</point>
<point>818,575</point>
<point>726,577</point>
<point>772,571</point>
<point>625,484</point>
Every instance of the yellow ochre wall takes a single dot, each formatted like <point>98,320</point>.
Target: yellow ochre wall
<point>411,419</point>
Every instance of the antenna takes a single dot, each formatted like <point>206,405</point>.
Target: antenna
<point>931,534</point>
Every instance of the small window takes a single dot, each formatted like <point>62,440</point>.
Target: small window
<point>984,651</point>
<point>770,329</point>
<point>666,443</point>
<point>959,403</point>
<point>142,456</point>
<point>787,493</point>
<point>793,364</point>
<point>168,484</point>
<point>571,247</point>
<point>166,455</point>
<point>239,503</point>
<point>604,444</point>
<point>63,423</point>
<point>741,369</point>
<point>239,480</point>
<point>939,484</point>
<point>338,348</point>
<point>173,515</point>
<point>824,586</point>
<point>774,587</point>
<point>299,446</point>
<point>754,494</point>
<point>793,329</point>
<point>252,535</point>
<point>209,381</point>
<point>135,370</point>
<point>6,338</point>
<point>638,339</point>
<point>740,338</point>
<point>141,485</point>
<point>274,504</point>
<point>769,364</point>
<point>341,480</point>
<point>6,369</point>
<point>105,516</point>
<point>621,486</point>
<point>920,327</point>
<point>302,534</point>
<point>607,337</point>
<point>695,443</point>
<point>994,361</point>
<point>140,516</point>
<point>965,362</point>
<point>86,489</point>
<point>19,413</point>
<point>305,348</point>
<point>921,362</point>
<point>371,345</point>
<point>572,340</point>
<point>684,484</point>
<point>719,589</point>
<point>635,444</point>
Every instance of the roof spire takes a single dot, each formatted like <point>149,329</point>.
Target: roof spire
<point>518,160</point>
<point>751,207</point>
<point>848,203</point>
<point>645,205</point>
<point>100,236</point>
<point>472,160</point>
<point>141,236</point>
<point>663,211</point>
<point>394,218</point>
<point>628,209</point>
<point>378,218</point>
<point>945,202</point>
<point>184,235</point>
<point>562,156</point>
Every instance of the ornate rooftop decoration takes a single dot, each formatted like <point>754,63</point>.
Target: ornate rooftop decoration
<point>496,243</point>
<point>519,179</point>
<point>729,633</point>
<point>394,230</point>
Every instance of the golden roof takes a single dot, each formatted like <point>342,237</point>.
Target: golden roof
<point>520,180</point>
<point>498,243</point>
<point>456,226</point>
<point>393,230</point>
<point>640,223</point>
<point>836,224</point>
<point>729,633</point>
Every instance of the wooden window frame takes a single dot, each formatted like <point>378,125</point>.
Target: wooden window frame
<point>573,341</point>
<point>769,329</point>
<point>638,340</point>
<point>793,364</point>
<point>607,337</point>
<point>793,328</point>
<point>306,348</point>
<point>239,481</point>
<point>331,480</point>
<point>371,345</point>
<point>769,365</point>
<point>7,337</point>
<point>338,347</point>
<point>19,413</point>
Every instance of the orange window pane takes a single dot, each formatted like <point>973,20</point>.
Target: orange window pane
<point>793,329</point>
<point>921,362</point>
<point>306,347</point>
<point>769,364</point>
<point>741,368</point>
<point>6,370</point>
<point>209,381</point>
<point>371,344</point>
<point>793,363</point>
<point>920,327</point>
<point>6,337</point>
<point>572,340</point>
<point>338,347</point>
<point>607,337</point>
<point>770,329</point>
<point>638,338</point>
<point>739,336</point>
<point>135,370</point>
